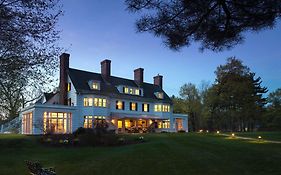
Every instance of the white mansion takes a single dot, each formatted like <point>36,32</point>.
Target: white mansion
<point>85,98</point>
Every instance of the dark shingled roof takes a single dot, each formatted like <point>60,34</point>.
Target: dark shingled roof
<point>81,78</point>
<point>48,96</point>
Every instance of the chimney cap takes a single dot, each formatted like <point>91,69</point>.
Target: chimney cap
<point>138,69</point>
<point>158,75</point>
<point>65,54</point>
<point>106,60</point>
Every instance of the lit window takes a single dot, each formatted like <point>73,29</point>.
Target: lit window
<point>95,101</point>
<point>145,107</point>
<point>95,85</point>
<point>100,102</point>
<point>68,87</point>
<point>88,121</point>
<point>166,108</point>
<point>127,123</point>
<point>90,101</point>
<point>93,121</point>
<point>86,102</point>
<point>165,124</point>
<point>133,106</point>
<point>158,108</point>
<point>27,123</point>
<point>57,122</point>
<point>119,123</point>
<point>159,95</point>
<point>103,102</point>
<point>126,90</point>
<point>132,91</point>
<point>120,105</point>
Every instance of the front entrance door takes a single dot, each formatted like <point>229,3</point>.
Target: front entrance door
<point>179,124</point>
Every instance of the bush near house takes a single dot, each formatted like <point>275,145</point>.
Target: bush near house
<point>99,136</point>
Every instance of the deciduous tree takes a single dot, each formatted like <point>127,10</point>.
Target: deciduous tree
<point>28,48</point>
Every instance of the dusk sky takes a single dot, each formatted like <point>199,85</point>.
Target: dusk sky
<point>93,30</point>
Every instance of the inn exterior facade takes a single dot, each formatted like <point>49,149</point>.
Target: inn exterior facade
<point>86,98</point>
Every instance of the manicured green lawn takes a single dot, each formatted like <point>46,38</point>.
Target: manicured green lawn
<point>276,136</point>
<point>185,154</point>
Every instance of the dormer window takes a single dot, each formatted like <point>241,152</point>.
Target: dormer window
<point>159,95</point>
<point>126,90</point>
<point>131,90</point>
<point>95,85</point>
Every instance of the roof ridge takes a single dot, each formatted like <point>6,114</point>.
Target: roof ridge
<point>110,75</point>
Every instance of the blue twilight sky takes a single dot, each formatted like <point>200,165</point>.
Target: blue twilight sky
<point>93,30</point>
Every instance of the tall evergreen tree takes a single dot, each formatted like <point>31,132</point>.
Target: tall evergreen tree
<point>236,100</point>
<point>216,24</point>
<point>272,117</point>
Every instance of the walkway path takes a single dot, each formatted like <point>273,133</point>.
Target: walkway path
<point>249,138</point>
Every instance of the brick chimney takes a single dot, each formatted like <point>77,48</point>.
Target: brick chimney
<point>105,69</point>
<point>138,76</point>
<point>64,66</point>
<point>158,80</point>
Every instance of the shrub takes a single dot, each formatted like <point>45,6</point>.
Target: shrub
<point>181,131</point>
<point>81,130</point>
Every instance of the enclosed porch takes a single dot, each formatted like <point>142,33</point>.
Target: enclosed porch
<point>126,123</point>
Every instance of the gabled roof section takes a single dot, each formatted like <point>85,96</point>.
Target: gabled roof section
<point>81,78</point>
<point>48,96</point>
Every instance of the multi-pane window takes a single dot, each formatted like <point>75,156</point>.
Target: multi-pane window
<point>86,101</point>
<point>98,102</point>
<point>96,85</point>
<point>164,124</point>
<point>92,121</point>
<point>88,121</point>
<point>166,108</point>
<point>159,95</point>
<point>57,122</point>
<point>132,91</point>
<point>126,90</point>
<point>161,108</point>
<point>133,106</point>
<point>120,105</point>
<point>137,92</point>
<point>90,101</point>
<point>27,123</point>
<point>145,107</point>
<point>158,108</point>
<point>119,124</point>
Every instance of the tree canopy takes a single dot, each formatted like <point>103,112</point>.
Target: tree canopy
<point>236,99</point>
<point>272,118</point>
<point>216,24</point>
<point>28,48</point>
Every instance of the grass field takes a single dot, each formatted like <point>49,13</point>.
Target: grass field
<point>276,136</point>
<point>185,154</point>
